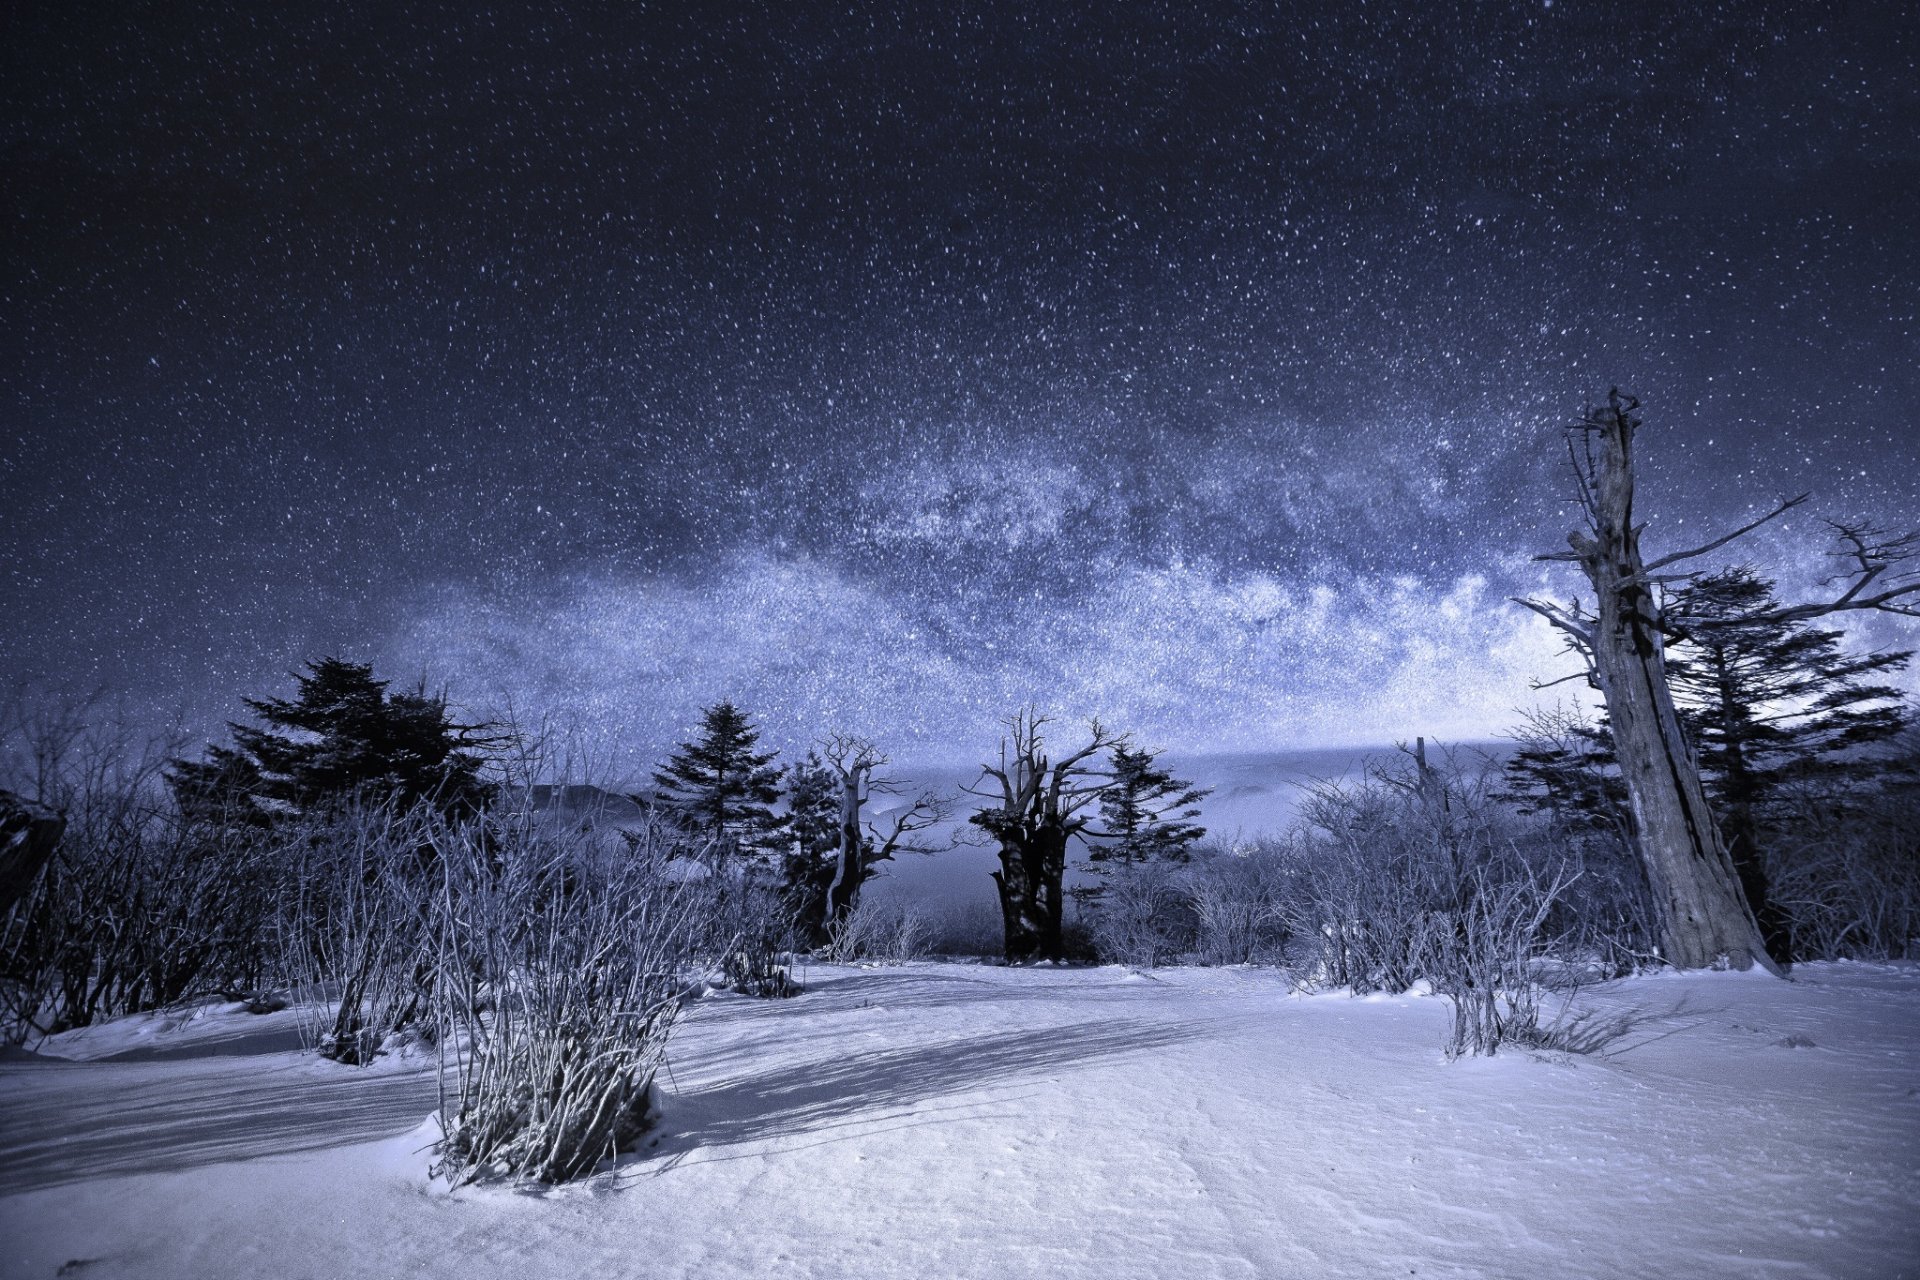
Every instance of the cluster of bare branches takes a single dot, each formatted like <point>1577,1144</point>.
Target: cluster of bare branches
<point>560,969</point>
<point>127,908</point>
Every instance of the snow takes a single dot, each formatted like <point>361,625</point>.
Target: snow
<point>949,1120</point>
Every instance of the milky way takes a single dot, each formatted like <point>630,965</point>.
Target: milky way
<point>1198,365</point>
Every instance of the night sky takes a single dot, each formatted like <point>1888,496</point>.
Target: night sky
<point>1201,365</point>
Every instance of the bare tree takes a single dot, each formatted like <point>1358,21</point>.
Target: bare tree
<point>1037,806</point>
<point>860,846</point>
<point>1705,917</point>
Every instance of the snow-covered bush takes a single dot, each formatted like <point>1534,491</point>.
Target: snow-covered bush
<point>561,966</point>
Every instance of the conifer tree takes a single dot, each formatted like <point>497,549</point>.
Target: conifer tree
<point>813,817</point>
<point>1767,704</point>
<point>342,736</point>
<point>721,789</point>
<point>1145,811</point>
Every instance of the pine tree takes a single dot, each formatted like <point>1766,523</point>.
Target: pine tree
<point>1145,811</point>
<point>721,790</point>
<point>1768,704</point>
<point>813,817</point>
<point>342,736</point>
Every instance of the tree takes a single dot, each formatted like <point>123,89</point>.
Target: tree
<point>342,737</point>
<point>719,788</point>
<point>813,822</point>
<point>1562,764</point>
<point>1705,918</point>
<point>1768,703</point>
<point>860,847</point>
<point>1145,812</point>
<point>1037,806</point>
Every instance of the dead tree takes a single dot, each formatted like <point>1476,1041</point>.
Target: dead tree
<point>1705,918</point>
<point>860,846</point>
<point>1036,807</point>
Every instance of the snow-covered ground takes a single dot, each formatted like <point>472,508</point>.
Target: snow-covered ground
<point>970,1121</point>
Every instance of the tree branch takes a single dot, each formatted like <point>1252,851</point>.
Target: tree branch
<point>1717,543</point>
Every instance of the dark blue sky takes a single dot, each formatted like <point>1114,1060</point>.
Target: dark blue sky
<point>1198,364</point>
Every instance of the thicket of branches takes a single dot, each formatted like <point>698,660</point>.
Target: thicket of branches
<point>1412,874</point>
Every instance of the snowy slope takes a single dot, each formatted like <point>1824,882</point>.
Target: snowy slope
<point>954,1120</point>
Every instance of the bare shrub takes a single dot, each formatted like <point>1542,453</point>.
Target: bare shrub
<point>1237,903</point>
<point>354,927</point>
<point>1847,876</point>
<point>562,965</point>
<point>968,927</point>
<point>135,909</point>
<point>1417,872</point>
<point>1482,954</point>
<point>1141,914</point>
<point>750,932</point>
<point>878,931</point>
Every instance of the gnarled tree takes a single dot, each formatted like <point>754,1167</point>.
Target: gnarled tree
<point>1705,918</point>
<point>860,846</point>
<point>1037,805</point>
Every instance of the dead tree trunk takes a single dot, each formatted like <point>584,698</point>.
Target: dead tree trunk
<point>860,847</point>
<point>1705,916</point>
<point>850,846</point>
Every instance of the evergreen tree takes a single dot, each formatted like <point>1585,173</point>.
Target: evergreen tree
<point>720,789</point>
<point>342,736</point>
<point>1767,704</point>
<point>1145,811</point>
<point>813,818</point>
<point>1563,765</point>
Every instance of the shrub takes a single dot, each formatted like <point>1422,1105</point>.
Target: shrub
<point>879,931</point>
<point>562,965</point>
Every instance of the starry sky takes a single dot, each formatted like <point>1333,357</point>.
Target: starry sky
<point>887,367</point>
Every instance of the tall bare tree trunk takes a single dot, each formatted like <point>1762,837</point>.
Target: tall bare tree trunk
<point>1705,916</point>
<point>1037,807</point>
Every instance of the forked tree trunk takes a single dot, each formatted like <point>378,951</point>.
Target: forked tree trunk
<point>1032,868</point>
<point>1705,916</point>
